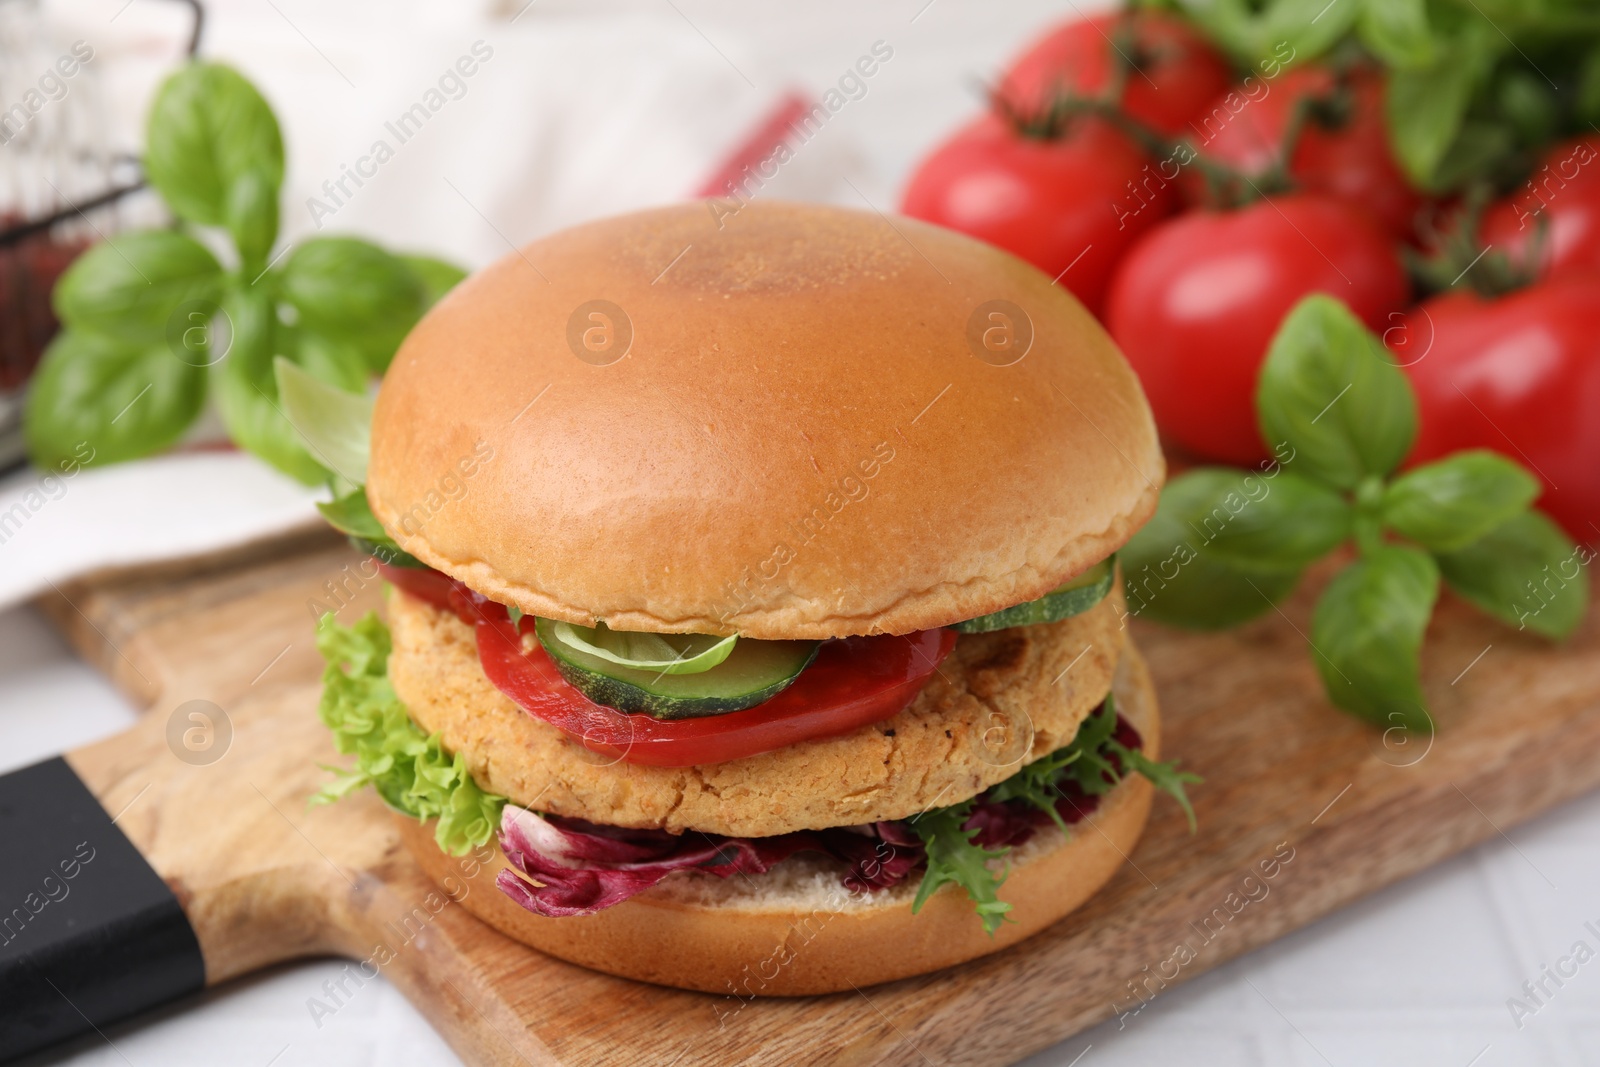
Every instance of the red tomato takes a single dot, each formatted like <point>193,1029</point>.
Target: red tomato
<point>851,683</point>
<point>1350,161</point>
<point>1195,303</point>
<point>1070,206</point>
<point>424,583</point>
<point>1520,375</point>
<point>1177,68</point>
<point>1563,198</point>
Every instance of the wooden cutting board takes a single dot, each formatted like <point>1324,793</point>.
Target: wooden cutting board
<point>1303,811</point>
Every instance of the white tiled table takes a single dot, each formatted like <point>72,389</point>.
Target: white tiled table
<point>1417,976</point>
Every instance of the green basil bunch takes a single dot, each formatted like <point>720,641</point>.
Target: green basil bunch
<point>1475,88</point>
<point>1227,544</point>
<point>153,321</point>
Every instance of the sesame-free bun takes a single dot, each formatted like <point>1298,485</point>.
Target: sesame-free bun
<point>772,422</point>
<point>795,930</point>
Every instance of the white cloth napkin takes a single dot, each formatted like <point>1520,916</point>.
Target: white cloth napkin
<point>56,526</point>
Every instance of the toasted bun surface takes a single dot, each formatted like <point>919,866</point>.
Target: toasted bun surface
<point>1001,700</point>
<point>796,438</point>
<point>796,930</point>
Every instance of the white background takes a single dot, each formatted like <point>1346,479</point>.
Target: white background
<point>600,107</point>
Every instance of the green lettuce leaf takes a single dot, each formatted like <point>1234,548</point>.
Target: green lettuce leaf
<point>409,769</point>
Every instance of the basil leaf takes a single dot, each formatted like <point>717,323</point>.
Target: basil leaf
<point>208,128</point>
<point>130,286</point>
<point>436,276</point>
<point>98,400</point>
<point>1483,147</point>
<point>1172,575</point>
<point>353,290</point>
<point>1366,635</point>
<point>1528,106</point>
<point>1426,106</point>
<point>336,424</point>
<point>1451,503</point>
<point>1397,32</point>
<point>252,216</point>
<point>1527,572</point>
<point>1272,31</point>
<point>247,389</point>
<point>1328,390</point>
<point>1586,106</point>
<point>332,359</point>
<point>352,514</point>
<point>1254,522</point>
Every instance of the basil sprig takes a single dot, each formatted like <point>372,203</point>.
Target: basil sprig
<point>155,320</point>
<point>1475,86</point>
<point>1226,545</point>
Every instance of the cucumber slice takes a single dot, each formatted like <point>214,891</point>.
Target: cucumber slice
<point>1072,598</point>
<point>753,671</point>
<point>662,653</point>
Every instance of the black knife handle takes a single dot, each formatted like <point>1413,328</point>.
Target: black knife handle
<point>89,933</point>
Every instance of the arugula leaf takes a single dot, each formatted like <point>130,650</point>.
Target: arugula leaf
<point>115,400</point>
<point>1165,776</point>
<point>129,287</point>
<point>1089,761</point>
<point>409,769</point>
<point>1450,504</point>
<point>953,858</point>
<point>1526,572</point>
<point>1036,784</point>
<point>208,128</point>
<point>1092,772</point>
<point>1366,635</point>
<point>336,423</point>
<point>1329,391</point>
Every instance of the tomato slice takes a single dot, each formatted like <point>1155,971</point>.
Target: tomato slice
<point>424,583</point>
<point>852,682</point>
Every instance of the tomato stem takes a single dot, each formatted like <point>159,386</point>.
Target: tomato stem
<point>1461,260</point>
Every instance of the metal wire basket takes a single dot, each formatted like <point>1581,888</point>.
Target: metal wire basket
<point>59,187</point>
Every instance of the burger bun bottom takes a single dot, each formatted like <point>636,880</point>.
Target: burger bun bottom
<point>796,930</point>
